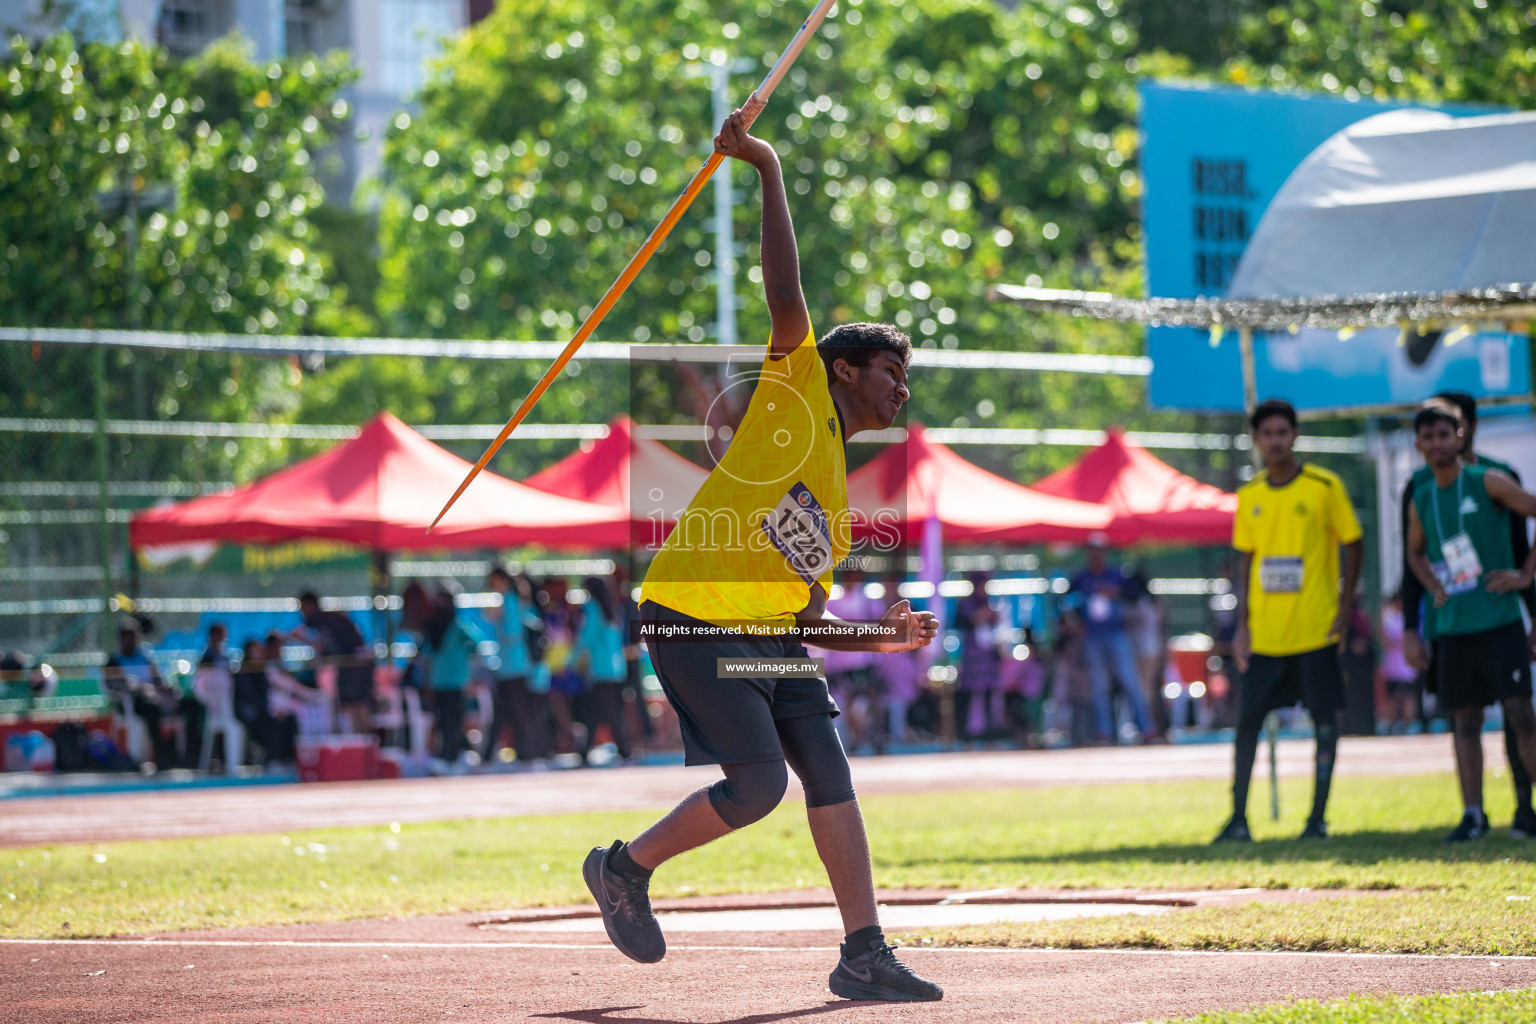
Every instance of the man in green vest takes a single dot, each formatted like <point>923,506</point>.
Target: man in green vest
<point>1459,548</point>
<point>1423,655</point>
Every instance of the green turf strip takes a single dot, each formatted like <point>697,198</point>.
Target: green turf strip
<point>1472,899</point>
<point>1448,1008</point>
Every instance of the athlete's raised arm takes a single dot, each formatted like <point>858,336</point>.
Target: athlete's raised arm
<point>781,261</point>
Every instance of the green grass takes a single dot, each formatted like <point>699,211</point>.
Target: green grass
<point>1386,837</point>
<point>1449,1008</point>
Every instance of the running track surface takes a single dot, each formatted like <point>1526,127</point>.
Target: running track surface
<point>165,814</point>
<point>436,970</point>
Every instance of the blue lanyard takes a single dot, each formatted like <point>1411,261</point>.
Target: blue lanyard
<point>1435,504</point>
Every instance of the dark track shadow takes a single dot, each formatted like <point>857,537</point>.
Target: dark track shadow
<point>601,1016</point>
<point>1352,848</point>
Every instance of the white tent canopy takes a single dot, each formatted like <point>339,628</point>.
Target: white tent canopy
<point>1407,201</point>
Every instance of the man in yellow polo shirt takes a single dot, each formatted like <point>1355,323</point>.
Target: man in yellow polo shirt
<point>738,585</point>
<point>1292,610</point>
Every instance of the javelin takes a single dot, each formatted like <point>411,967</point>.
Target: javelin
<point>749,112</point>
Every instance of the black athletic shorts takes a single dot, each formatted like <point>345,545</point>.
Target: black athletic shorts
<point>729,720</point>
<point>1478,669</point>
<point>1312,677</point>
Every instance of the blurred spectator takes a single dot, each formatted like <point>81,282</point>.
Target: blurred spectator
<point>1401,704</point>
<point>599,657</point>
<point>635,711</point>
<point>851,675</point>
<point>1105,594</point>
<point>566,686</point>
<point>901,683</point>
<point>1022,693</point>
<point>981,660</point>
<point>1220,688</point>
<point>290,696</point>
<point>213,682</point>
<point>903,679</point>
<point>1147,620</point>
<point>415,613</point>
<point>1071,689</point>
<point>216,655</point>
<point>450,644</point>
<point>1359,666</point>
<point>253,707</point>
<point>519,630</point>
<point>337,642</point>
<point>135,684</point>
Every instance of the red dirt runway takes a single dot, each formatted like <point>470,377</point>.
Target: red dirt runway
<point>297,975</point>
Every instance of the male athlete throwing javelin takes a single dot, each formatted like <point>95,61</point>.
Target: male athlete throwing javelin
<point>749,563</point>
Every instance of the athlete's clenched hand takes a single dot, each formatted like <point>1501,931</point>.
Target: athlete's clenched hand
<point>734,141</point>
<point>912,629</point>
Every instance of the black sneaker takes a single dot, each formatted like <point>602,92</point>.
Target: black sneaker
<point>1471,828</point>
<point>877,974</point>
<point>1315,830</point>
<point>1524,826</point>
<point>1234,831</point>
<point>625,903</point>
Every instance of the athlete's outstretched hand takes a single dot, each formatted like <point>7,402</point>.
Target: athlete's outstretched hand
<point>913,629</point>
<point>733,140</point>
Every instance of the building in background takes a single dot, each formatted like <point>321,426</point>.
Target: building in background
<point>391,42</point>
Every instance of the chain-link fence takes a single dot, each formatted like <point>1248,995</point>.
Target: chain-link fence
<point>91,434</point>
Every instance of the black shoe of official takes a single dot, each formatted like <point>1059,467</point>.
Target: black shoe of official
<point>1524,825</point>
<point>1472,827</point>
<point>1316,829</point>
<point>877,974</point>
<point>1234,831</point>
<point>625,903</point>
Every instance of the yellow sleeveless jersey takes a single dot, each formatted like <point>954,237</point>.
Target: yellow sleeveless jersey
<point>1293,532</point>
<point>771,520</point>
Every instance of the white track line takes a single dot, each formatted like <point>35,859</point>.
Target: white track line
<point>396,944</point>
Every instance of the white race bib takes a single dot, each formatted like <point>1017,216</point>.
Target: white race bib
<point>1281,574</point>
<point>797,527</point>
<point>1462,569</point>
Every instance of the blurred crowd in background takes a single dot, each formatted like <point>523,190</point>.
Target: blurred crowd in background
<point>545,674</point>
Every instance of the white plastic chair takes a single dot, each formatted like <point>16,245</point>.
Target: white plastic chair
<point>126,721</point>
<point>419,719</point>
<point>216,689</point>
<point>485,708</point>
<point>389,712</point>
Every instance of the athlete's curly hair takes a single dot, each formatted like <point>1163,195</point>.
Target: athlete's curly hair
<point>856,344</point>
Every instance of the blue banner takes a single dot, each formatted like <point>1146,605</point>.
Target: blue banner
<point>1212,159</point>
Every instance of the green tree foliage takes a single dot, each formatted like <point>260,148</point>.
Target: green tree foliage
<point>216,153</point>
<point>1440,50</point>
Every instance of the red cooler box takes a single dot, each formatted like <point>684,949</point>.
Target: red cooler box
<point>338,758</point>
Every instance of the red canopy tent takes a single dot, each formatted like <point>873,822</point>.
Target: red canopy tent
<point>606,472</point>
<point>1151,500</point>
<point>899,489</point>
<point>381,490</point>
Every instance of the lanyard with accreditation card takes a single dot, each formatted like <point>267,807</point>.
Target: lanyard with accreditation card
<point>1459,569</point>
